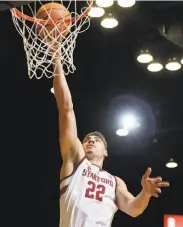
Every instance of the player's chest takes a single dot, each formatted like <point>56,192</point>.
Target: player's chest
<point>97,185</point>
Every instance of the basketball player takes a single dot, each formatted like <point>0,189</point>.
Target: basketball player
<point>90,196</point>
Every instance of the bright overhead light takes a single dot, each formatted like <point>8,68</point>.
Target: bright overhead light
<point>181,61</point>
<point>126,3</point>
<point>109,22</point>
<point>96,12</point>
<point>122,132</point>
<point>171,164</point>
<point>155,67</point>
<point>144,57</point>
<point>129,121</point>
<point>104,3</point>
<point>173,65</point>
<point>52,90</point>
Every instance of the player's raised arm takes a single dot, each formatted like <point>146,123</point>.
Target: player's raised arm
<point>71,148</point>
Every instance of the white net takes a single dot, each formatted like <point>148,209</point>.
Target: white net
<point>44,40</point>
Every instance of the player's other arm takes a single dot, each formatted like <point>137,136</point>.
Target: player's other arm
<point>126,202</point>
<point>135,206</point>
<point>71,148</point>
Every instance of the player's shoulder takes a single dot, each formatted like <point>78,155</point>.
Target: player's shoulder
<point>120,182</point>
<point>110,176</point>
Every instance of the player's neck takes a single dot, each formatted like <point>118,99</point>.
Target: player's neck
<point>98,163</point>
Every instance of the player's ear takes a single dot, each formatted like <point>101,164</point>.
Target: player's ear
<point>106,153</point>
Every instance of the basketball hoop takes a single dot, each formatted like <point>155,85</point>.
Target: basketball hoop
<point>50,32</point>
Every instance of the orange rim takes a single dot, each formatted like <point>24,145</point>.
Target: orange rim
<point>19,14</point>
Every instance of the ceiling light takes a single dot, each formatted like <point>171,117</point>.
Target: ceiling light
<point>155,67</point>
<point>144,57</point>
<point>173,65</point>
<point>104,3</point>
<point>96,12</point>
<point>126,3</point>
<point>181,61</point>
<point>130,121</point>
<point>171,164</point>
<point>122,132</point>
<point>52,90</point>
<point>109,22</point>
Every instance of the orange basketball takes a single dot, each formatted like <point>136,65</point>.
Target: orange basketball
<point>59,28</point>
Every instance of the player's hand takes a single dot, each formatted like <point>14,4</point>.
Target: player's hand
<point>152,186</point>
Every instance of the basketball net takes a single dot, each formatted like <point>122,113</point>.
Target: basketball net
<point>39,52</point>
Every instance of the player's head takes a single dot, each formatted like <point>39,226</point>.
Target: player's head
<point>95,146</point>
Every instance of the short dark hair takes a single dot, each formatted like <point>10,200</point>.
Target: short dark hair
<point>98,134</point>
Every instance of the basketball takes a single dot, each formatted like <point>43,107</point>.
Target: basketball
<point>54,25</point>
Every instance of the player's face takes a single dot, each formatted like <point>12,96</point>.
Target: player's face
<point>94,147</point>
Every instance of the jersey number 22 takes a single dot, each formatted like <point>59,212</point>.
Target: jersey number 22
<point>95,191</point>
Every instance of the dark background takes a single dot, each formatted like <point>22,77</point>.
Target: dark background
<point>108,80</point>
